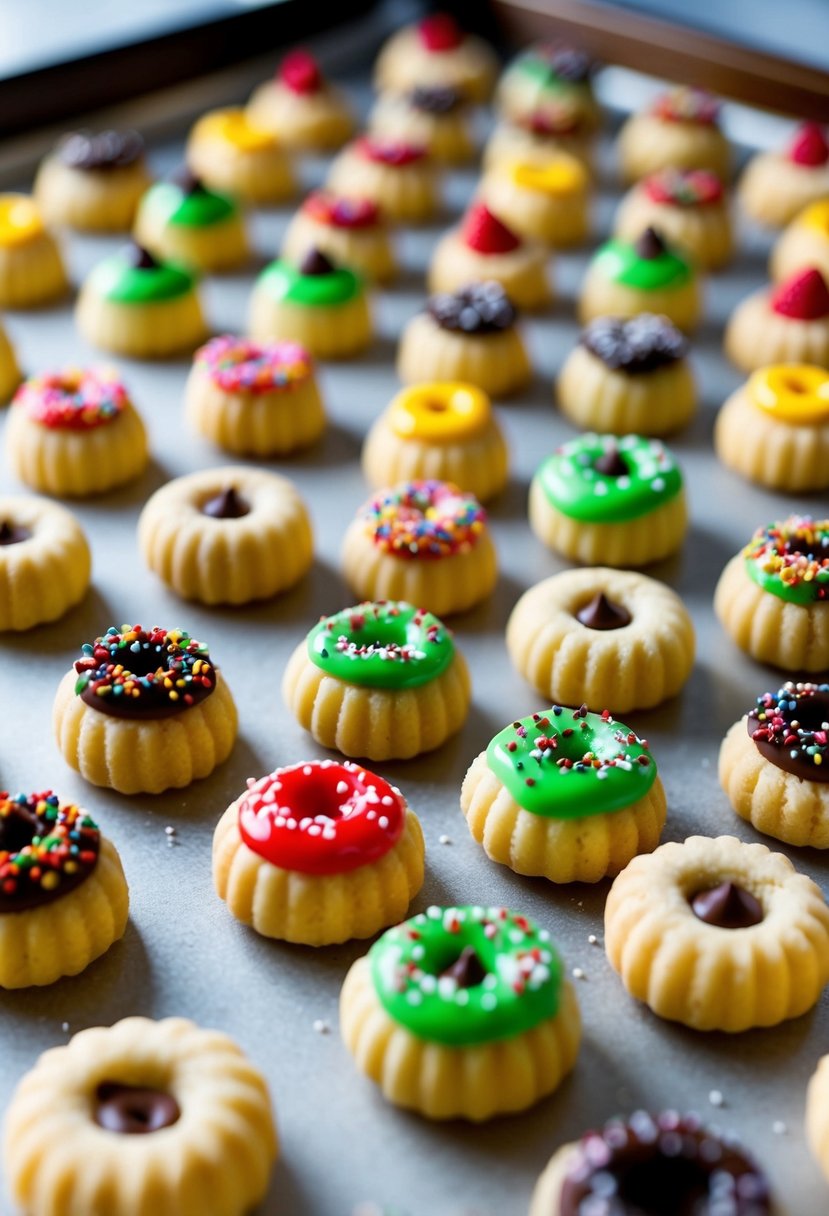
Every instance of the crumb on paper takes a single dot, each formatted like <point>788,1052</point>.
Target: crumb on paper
<point>444,839</point>
<point>715,1098</point>
<point>592,939</point>
<point>321,1026</point>
<point>578,974</point>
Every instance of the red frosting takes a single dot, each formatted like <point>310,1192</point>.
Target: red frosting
<point>804,296</point>
<point>484,232</point>
<point>328,208</point>
<point>321,817</point>
<point>395,152</point>
<point>440,32</point>
<point>809,146</point>
<point>684,187</point>
<point>300,73</point>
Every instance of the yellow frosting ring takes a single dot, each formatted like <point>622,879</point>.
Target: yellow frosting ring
<point>235,128</point>
<point>20,220</point>
<point>440,412</point>
<point>557,176</point>
<point>796,393</point>
<point>816,216</point>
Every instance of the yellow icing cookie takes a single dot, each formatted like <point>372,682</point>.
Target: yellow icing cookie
<point>20,219</point>
<point>796,393</point>
<point>236,128</point>
<point>440,413</point>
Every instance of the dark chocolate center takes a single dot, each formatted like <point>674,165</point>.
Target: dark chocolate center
<point>727,906</point>
<point>188,181</point>
<point>789,747</point>
<point>479,308</point>
<point>649,245</point>
<point>131,1110</point>
<point>227,504</point>
<point>467,969</point>
<point>140,258</point>
<point>437,100</point>
<point>12,534</point>
<point>316,263</point>
<point>602,613</point>
<point>18,828</point>
<point>611,464</point>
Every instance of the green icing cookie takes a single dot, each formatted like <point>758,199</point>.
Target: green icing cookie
<point>790,559</point>
<point>575,487</point>
<point>383,645</point>
<point>621,263</point>
<point>514,981</point>
<point>196,208</point>
<point>285,282</point>
<point>117,278</point>
<point>568,764</point>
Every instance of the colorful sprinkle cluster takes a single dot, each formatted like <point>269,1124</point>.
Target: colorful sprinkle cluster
<point>685,104</point>
<point>238,365</point>
<point>424,519</point>
<point>792,557</point>
<point>684,187</point>
<point>382,644</point>
<point>796,718</point>
<point>74,399</point>
<point>144,673</point>
<point>45,849</point>
<point>395,153</point>
<point>341,212</point>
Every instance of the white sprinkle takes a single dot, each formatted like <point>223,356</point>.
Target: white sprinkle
<point>65,1027</point>
<point>593,940</point>
<point>321,1026</point>
<point>600,489</point>
<point>170,830</point>
<point>307,770</point>
<point>715,1098</point>
<point>658,484</point>
<point>578,974</point>
<point>444,839</point>
<point>489,1000</point>
<point>383,822</point>
<point>779,1127</point>
<point>342,787</point>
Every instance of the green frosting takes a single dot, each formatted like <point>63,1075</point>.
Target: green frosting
<point>573,486</point>
<point>542,73</point>
<point>198,208</point>
<point>383,645</point>
<point>568,764</point>
<point>790,559</point>
<point>118,280</point>
<point>521,987</point>
<point>285,282</point>
<point>620,263</point>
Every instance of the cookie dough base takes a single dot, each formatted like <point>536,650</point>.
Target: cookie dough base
<point>546,1198</point>
<point>90,200</point>
<point>310,909</point>
<point>596,398</point>
<point>376,723</point>
<point>635,667</point>
<point>602,298</point>
<point>648,143</point>
<point>794,637</point>
<point>559,221</point>
<point>799,248</point>
<point>497,363</point>
<point>32,275</point>
<point>313,122</point>
<point>443,1082</point>
<point>633,542</point>
<point>274,423</point>
<point>405,195</point>
<point>338,331</point>
<point>478,465</point>
<point>774,189</point>
<point>775,802</point>
<point>448,137</point>
<point>77,463</point>
<point>41,945</point>
<point>144,757</point>
<point>509,144</point>
<point>703,233</point>
<point>141,331</point>
<point>584,849</point>
<point>10,374</point>
<point>367,250</point>
<point>260,177</point>
<point>756,336</point>
<point>213,247</point>
<point>442,585</point>
<point>792,459</point>
<point>522,273</point>
<point>45,576</point>
<point>404,64</point>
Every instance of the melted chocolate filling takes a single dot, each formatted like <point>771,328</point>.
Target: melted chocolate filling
<point>480,308</point>
<point>662,1166</point>
<point>727,906</point>
<point>316,263</point>
<point>188,181</point>
<point>140,258</point>
<point>467,969</point>
<point>602,613</point>
<point>810,715</point>
<point>107,150</point>
<point>153,703</point>
<point>641,344</point>
<point>649,245</point>
<point>131,1110</point>
<point>12,534</point>
<point>227,504</point>
<point>18,828</point>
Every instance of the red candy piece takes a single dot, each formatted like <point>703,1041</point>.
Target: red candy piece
<point>394,152</point>
<point>341,212</point>
<point>299,73</point>
<point>485,233</point>
<point>809,146</point>
<point>440,32</point>
<point>804,296</point>
<point>321,817</point>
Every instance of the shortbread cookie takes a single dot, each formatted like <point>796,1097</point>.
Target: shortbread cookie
<point>303,110</point>
<point>543,200</point>
<point>400,177</point>
<point>227,535</point>
<point>773,597</point>
<point>382,680</point>
<point>565,794</point>
<point>774,430</point>
<point>32,273</point>
<point>144,711</point>
<point>45,562</point>
<point>437,117</point>
<point>350,231</point>
<point>804,245</point>
<point>774,765</point>
<point>152,1119</point>
<point>547,89</point>
<point>319,305</point>
<point>628,377</point>
<point>610,638</point>
<point>318,853</point>
<point>618,502</point>
<point>718,935</point>
<point>680,130</point>
<point>624,279</point>
<point>183,220</point>
<point>93,183</point>
<point>436,53</point>
<point>426,542</point>
<point>689,208</point>
<point>462,1012</point>
<point>775,186</point>
<point>785,324</point>
<point>63,895</point>
<point>438,432</point>
<point>484,248</point>
<point>231,152</point>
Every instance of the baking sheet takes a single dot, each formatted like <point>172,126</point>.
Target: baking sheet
<point>342,1146</point>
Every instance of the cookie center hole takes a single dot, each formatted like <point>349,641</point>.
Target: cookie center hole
<point>133,1110</point>
<point>227,504</point>
<point>12,534</point>
<point>467,969</point>
<point>662,1186</point>
<point>435,405</point>
<point>812,714</point>
<point>17,829</point>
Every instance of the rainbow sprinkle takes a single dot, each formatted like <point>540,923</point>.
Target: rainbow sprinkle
<point>73,399</point>
<point>424,519</point>
<point>135,671</point>
<point>45,849</point>
<point>237,365</point>
<point>684,104</point>
<point>778,713</point>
